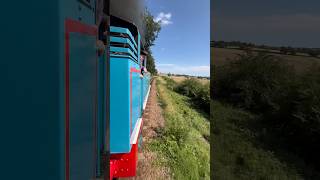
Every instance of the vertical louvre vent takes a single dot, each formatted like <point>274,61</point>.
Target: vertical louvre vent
<point>122,44</point>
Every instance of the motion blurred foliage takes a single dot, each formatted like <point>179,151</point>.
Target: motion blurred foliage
<point>289,102</point>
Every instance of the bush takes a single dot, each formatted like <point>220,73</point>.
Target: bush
<point>171,84</point>
<point>252,81</point>
<point>288,102</point>
<point>198,92</point>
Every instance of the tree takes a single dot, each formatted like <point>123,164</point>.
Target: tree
<point>151,67</point>
<point>151,33</point>
<point>152,29</point>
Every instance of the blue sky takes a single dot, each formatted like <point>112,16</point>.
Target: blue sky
<point>271,22</point>
<point>183,45</point>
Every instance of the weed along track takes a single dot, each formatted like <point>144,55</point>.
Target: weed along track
<point>148,168</point>
<point>180,143</point>
<point>175,137</point>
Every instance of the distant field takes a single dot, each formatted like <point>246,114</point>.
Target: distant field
<point>179,79</point>
<point>221,56</point>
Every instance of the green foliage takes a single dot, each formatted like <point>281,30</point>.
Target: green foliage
<point>237,152</point>
<point>181,142</point>
<point>152,30</point>
<point>252,81</point>
<point>170,83</point>
<point>198,92</point>
<point>151,67</point>
<point>288,102</point>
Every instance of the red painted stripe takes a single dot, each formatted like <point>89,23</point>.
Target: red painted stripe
<point>71,26</point>
<point>135,70</point>
<point>77,26</point>
<point>132,69</point>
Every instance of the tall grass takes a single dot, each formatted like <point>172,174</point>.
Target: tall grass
<point>182,142</point>
<point>236,154</point>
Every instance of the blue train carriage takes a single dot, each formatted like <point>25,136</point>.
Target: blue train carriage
<point>145,81</point>
<point>61,97</point>
<point>49,101</point>
<point>128,84</point>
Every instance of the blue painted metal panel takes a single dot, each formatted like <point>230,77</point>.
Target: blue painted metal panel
<point>123,113</point>
<point>123,50</point>
<point>101,109</point>
<point>123,40</point>
<point>136,94</point>
<point>125,93</point>
<point>79,11</point>
<point>32,97</point>
<point>29,67</point>
<point>119,105</point>
<point>124,31</point>
<point>83,106</point>
<point>123,57</point>
<point>145,86</point>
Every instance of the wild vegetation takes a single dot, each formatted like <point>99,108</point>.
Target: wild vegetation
<point>197,91</point>
<point>268,118</point>
<point>183,142</point>
<point>237,153</point>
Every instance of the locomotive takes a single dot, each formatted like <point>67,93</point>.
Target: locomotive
<point>74,88</point>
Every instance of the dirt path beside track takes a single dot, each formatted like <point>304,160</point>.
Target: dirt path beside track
<point>152,120</point>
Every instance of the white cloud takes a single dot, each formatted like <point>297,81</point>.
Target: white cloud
<point>189,70</point>
<point>164,18</point>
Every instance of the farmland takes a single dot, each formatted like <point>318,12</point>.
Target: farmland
<point>221,56</point>
<point>179,79</point>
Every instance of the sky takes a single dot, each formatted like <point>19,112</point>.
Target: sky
<point>183,44</point>
<point>271,22</point>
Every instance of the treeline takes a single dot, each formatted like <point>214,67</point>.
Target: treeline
<point>188,76</point>
<point>194,89</point>
<point>313,52</point>
<point>288,102</point>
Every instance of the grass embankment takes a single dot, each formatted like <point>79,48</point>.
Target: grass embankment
<point>274,131</point>
<point>182,143</point>
<point>237,152</point>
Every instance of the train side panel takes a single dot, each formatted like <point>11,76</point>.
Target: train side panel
<point>29,93</point>
<point>124,103</point>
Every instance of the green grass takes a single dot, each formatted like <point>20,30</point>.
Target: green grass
<point>182,142</point>
<point>237,154</point>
